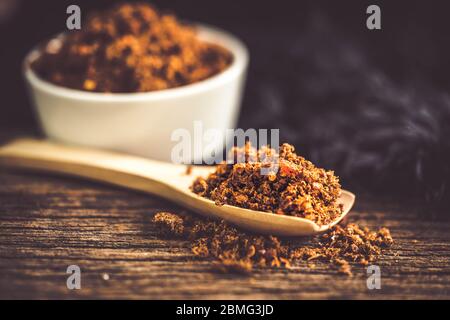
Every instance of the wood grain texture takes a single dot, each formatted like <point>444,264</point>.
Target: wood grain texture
<point>167,180</point>
<point>48,223</point>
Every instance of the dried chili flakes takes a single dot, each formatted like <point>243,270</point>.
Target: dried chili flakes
<point>298,188</point>
<point>344,244</point>
<point>235,251</point>
<point>130,48</point>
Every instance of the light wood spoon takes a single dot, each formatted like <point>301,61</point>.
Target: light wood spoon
<point>167,180</point>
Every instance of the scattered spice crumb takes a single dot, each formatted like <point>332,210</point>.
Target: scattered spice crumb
<point>233,266</point>
<point>298,188</point>
<point>131,47</point>
<point>188,169</point>
<point>235,251</point>
<point>170,223</point>
<point>344,267</point>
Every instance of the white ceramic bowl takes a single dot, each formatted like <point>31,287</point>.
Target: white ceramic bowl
<point>141,123</point>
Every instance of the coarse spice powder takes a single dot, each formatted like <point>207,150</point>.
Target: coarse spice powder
<point>130,48</point>
<point>294,187</point>
<point>297,188</point>
<point>235,251</point>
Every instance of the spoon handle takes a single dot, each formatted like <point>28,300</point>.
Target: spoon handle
<point>163,179</point>
<point>127,171</point>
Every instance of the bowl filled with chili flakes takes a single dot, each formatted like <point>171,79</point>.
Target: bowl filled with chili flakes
<point>131,76</point>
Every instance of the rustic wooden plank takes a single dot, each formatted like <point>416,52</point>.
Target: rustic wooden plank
<point>48,223</point>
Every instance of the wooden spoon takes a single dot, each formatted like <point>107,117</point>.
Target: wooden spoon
<point>167,180</point>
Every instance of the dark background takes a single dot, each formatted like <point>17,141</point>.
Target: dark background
<point>373,105</point>
<point>413,42</point>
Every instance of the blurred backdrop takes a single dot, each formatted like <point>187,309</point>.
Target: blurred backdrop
<point>373,105</point>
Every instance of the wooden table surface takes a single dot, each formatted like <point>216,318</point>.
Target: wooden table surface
<point>48,223</point>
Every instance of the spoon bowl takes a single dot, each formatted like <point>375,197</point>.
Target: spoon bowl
<point>166,180</point>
